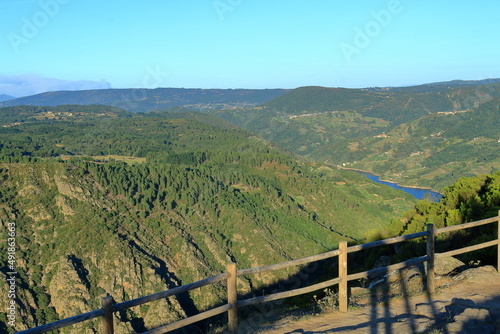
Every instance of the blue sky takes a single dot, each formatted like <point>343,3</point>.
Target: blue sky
<point>82,44</point>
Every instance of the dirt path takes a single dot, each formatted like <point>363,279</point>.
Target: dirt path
<point>468,303</point>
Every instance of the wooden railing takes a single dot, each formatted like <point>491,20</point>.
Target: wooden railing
<point>108,308</point>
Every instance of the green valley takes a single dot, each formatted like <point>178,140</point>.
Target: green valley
<point>195,194</point>
<point>425,136</point>
<point>105,200</point>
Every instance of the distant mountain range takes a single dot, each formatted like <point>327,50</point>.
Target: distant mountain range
<point>427,135</point>
<point>4,97</point>
<point>441,86</point>
<point>303,98</point>
<point>138,100</point>
<point>402,103</point>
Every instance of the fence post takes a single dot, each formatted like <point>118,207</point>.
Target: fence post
<point>232,299</point>
<point>343,276</point>
<point>107,318</point>
<point>431,280</point>
<point>498,246</point>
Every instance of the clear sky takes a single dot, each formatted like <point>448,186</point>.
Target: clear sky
<point>81,44</point>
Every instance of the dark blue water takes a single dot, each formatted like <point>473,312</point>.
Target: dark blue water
<point>418,193</point>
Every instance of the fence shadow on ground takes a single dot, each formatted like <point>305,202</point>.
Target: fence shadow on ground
<point>422,313</point>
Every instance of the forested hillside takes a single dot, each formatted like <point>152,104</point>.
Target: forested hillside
<point>432,151</point>
<point>142,99</point>
<point>427,135</point>
<point>109,201</point>
<point>467,200</point>
<point>410,135</point>
<point>105,201</point>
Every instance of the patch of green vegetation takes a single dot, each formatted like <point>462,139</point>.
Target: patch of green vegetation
<point>205,194</point>
<point>468,199</point>
<point>427,137</point>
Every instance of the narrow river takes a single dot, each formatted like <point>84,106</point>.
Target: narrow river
<point>418,193</point>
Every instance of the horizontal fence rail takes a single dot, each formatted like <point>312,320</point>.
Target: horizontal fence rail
<point>123,306</point>
<point>288,264</point>
<point>389,241</point>
<point>287,294</point>
<point>64,322</point>
<point>168,293</point>
<point>231,307</point>
<point>468,249</point>
<point>467,225</point>
<point>393,267</point>
<point>190,320</point>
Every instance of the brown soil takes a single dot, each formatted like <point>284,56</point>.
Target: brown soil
<point>466,303</point>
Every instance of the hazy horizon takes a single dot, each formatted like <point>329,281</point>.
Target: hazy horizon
<point>51,45</point>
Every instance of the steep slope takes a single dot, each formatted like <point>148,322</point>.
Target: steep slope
<point>205,194</point>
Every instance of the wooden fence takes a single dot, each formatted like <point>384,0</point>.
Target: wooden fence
<point>230,277</point>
